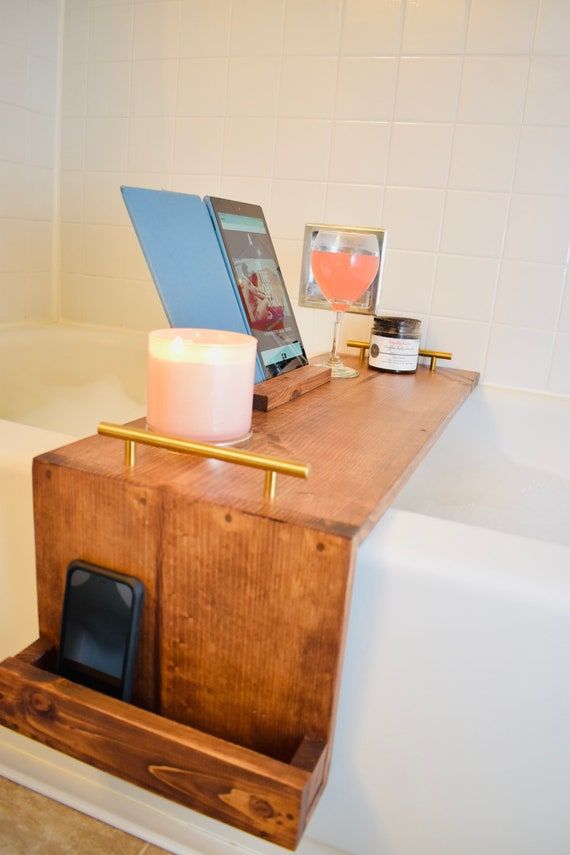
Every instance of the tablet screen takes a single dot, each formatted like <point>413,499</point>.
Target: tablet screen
<point>244,233</point>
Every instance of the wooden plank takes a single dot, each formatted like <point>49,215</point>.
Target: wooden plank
<point>362,437</point>
<point>288,387</point>
<point>252,792</point>
<point>252,625</point>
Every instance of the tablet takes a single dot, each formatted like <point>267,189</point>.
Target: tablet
<point>250,255</point>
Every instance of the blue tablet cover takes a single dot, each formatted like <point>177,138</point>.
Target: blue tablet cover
<point>181,248</point>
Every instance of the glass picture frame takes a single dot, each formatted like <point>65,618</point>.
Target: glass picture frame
<point>310,295</point>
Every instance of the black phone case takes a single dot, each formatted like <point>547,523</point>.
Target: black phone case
<point>137,587</point>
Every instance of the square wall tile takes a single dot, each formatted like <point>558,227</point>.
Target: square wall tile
<point>543,163</point>
<point>103,252</point>
<point>407,280</point>
<point>142,309</point>
<point>202,83</point>
<point>302,149</point>
<point>13,75</point>
<point>39,193</point>
<point>75,32</point>
<point>108,88</point>
<point>72,141</point>
<point>552,27</point>
<point>200,185</point>
<point>413,217</point>
<point>427,89</point>
<point>39,297</point>
<point>13,288</point>
<point>12,191</point>
<point>547,101</point>
<point>153,91</point>
<point>483,157</point>
<point>74,89</point>
<point>293,204</point>
<point>493,89</point>
<point>474,223</point>
<point>354,205</point>
<point>519,356</point>
<point>43,29</point>
<point>41,84</point>
<point>205,28</point>
<point>359,152</point>
<point>12,133</point>
<point>198,145</point>
<point>71,247</point>
<point>106,144</point>
<point>371,27</point>
<point>529,295</point>
<point>538,229</point>
<point>248,147</point>
<point>157,29</point>
<point>15,17</point>
<point>12,246</point>
<point>151,144</point>
<point>312,28</point>
<point>103,203</point>
<point>253,83</point>
<point>38,246</point>
<point>307,86</point>
<point>254,190</point>
<point>505,27</point>
<point>70,296</point>
<point>110,32</point>
<point>366,88</point>
<point>71,196</point>
<point>435,26</point>
<point>466,340</point>
<point>40,139</point>
<point>559,378</point>
<point>465,287</point>
<point>419,154</point>
<point>252,26</point>
<point>102,300</point>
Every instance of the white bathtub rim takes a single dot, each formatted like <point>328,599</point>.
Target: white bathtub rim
<point>497,562</point>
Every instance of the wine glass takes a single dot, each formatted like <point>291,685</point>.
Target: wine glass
<point>344,265</point>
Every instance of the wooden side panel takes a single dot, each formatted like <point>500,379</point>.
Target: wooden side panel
<point>253,616</point>
<point>254,793</point>
<point>105,521</point>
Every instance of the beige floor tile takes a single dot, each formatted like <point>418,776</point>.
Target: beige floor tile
<point>31,824</point>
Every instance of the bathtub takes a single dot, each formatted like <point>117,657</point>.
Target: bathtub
<point>452,728</point>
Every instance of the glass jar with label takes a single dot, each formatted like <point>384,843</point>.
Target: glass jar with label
<point>394,344</point>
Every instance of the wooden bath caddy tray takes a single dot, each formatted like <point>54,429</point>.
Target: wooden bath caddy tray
<point>246,599</point>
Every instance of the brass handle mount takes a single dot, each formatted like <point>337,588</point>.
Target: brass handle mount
<point>433,355</point>
<point>272,466</point>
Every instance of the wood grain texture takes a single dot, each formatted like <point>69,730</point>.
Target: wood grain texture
<point>288,387</point>
<point>232,784</point>
<point>247,600</point>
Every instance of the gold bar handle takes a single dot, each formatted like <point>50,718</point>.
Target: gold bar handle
<point>271,465</point>
<point>433,355</point>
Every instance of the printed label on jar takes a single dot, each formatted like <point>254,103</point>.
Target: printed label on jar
<point>394,354</point>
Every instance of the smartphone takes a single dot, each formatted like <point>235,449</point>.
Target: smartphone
<point>99,628</point>
<point>252,262</point>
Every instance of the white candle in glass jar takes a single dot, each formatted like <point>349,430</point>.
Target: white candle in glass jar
<point>200,383</point>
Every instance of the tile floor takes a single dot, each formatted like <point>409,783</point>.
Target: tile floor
<point>31,824</point>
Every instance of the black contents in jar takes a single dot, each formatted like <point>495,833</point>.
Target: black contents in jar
<point>394,344</point>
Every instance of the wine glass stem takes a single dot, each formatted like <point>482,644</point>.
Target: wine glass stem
<point>334,357</point>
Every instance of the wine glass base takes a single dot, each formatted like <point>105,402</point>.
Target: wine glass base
<point>338,369</point>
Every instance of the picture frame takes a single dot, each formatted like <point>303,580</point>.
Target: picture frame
<point>310,295</point>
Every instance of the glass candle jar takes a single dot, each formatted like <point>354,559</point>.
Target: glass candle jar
<point>394,344</point>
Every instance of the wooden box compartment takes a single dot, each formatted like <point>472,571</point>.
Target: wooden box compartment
<point>259,794</point>
<point>246,600</point>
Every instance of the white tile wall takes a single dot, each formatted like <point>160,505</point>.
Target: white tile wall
<point>445,121</point>
<point>29,44</point>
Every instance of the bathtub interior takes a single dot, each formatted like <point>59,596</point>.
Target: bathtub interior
<point>503,463</point>
<point>68,378</point>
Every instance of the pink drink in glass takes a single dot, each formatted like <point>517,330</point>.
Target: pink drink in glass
<point>343,276</point>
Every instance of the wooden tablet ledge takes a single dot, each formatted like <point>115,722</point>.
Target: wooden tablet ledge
<point>246,600</point>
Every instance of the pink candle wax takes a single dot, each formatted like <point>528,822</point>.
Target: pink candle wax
<point>200,383</point>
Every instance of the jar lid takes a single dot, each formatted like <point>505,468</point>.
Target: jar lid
<point>398,326</point>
